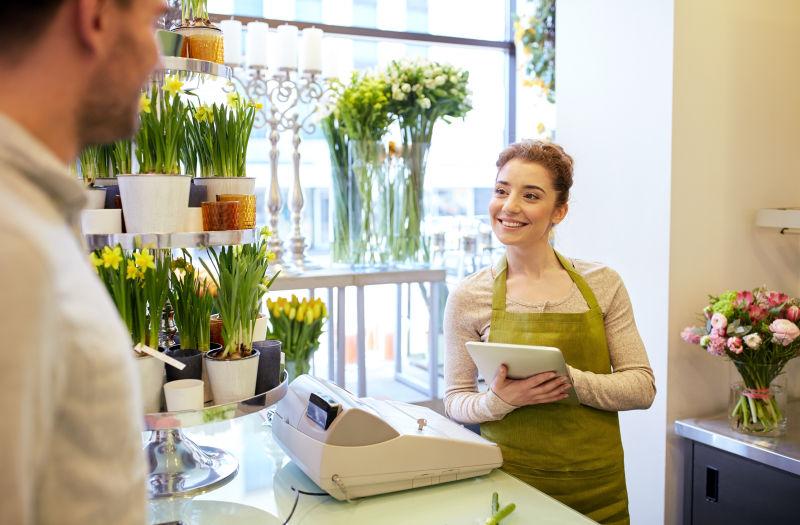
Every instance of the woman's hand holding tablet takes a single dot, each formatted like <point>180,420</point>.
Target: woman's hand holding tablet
<point>523,374</point>
<point>546,387</point>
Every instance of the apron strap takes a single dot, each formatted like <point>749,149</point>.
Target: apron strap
<point>499,285</point>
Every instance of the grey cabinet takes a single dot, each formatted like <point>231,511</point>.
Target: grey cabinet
<point>723,488</point>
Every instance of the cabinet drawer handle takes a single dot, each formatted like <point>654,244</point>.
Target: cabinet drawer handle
<point>712,484</point>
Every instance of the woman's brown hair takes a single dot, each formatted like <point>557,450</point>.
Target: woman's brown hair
<point>551,156</point>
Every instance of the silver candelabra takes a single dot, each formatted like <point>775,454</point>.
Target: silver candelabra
<point>290,99</point>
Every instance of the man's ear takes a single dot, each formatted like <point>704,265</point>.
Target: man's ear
<point>92,24</point>
<point>559,213</point>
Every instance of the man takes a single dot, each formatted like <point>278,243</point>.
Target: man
<point>70,445</point>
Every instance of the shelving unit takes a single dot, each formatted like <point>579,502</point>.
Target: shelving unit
<point>191,65</point>
<point>176,240</point>
<point>787,220</point>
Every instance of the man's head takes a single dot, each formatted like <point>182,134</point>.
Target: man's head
<point>96,53</point>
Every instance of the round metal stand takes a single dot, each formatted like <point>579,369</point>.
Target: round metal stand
<point>179,467</point>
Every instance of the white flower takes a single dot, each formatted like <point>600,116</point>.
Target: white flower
<point>704,341</point>
<point>430,83</point>
<point>399,95</point>
<point>406,87</point>
<point>752,341</point>
<point>453,79</point>
<point>441,79</point>
<point>425,103</point>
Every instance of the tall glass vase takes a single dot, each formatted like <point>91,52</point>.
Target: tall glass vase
<point>757,403</point>
<point>408,243</point>
<point>340,243</point>
<point>368,207</point>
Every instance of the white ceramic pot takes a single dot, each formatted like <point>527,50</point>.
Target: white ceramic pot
<point>232,380</point>
<point>221,185</point>
<point>95,198</point>
<point>193,221</point>
<point>151,379</point>
<point>154,203</point>
<point>101,221</point>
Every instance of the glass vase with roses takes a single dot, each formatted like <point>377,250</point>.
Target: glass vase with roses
<point>758,331</point>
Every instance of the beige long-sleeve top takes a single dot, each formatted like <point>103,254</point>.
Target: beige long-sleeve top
<point>631,385</point>
<point>71,442</point>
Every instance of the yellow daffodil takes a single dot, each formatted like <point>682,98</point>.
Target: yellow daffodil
<point>172,85</point>
<point>112,257</point>
<point>96,261</point>
<point>144,104</point>
<point>204,114</point>
<point>144,260</point>
<point>131,272</point>
<point>266,233</point>
<point>257,105</point>
<point>540,127</point>
<point>271,256</point>
<point>233,99</point>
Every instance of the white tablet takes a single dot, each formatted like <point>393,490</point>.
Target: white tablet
<point>522,361</point>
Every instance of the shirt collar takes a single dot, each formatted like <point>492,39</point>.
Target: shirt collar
<point>39,165</point>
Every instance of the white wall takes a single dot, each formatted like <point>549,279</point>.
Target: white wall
<point>676,148</point>
<point>614,104</point>
<point>736,131</point>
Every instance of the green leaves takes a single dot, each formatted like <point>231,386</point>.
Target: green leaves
<point>239,273</point>
<point>161,135</point>
<point>498,514</point>
<point>537,37</point>
<point>217,138</point>
<point>191,302</point>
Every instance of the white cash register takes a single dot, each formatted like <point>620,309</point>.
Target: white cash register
<point>354,447</point>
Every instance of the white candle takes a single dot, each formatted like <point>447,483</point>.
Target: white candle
<point>287,46</point>
<point>232,36</point>
<point>311,59</point>
<point>257,44</point>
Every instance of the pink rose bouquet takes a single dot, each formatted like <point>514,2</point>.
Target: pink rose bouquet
<point>757,330</point>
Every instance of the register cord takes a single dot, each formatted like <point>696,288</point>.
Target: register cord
<point>297,498</point>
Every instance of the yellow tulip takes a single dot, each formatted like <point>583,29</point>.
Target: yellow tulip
<point>287,308</point>
<point>317,311</point>
<point>292,314</point>
<point>309,317</point>
<point>276,311</point>
<point>301,311</point>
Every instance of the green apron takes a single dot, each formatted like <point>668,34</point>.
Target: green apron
<point>570,452</point>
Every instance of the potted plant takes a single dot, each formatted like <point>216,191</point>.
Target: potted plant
<point>156,200</point>
<point>758,332</point>
<point>218,137</point>
<point>240,275</point>
<point>202,39</point>
<point>191,299</point>
<point>298,326</point>
<point>95,163</point>
<point>137,283</point>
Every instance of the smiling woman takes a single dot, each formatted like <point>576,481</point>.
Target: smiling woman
<point>535,296</point>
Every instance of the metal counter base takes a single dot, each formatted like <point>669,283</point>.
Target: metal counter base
<point>261,493</point>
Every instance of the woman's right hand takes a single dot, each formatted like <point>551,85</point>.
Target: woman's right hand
<point>546,387</point>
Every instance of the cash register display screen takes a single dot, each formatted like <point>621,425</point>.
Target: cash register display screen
<point>321,411</point>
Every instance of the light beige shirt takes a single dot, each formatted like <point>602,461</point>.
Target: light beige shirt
<point>70,444</point>
<point>631,384</point>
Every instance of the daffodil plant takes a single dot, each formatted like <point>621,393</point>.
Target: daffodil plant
<point>191,299</point>
<point>161,135</point>
<point>218,136</point>
<point>121,157</point>
<point>95,163</point>
<point>298,326</point>
<point>137,282</point>
<point>240,275</point>
<point>194,9</point>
